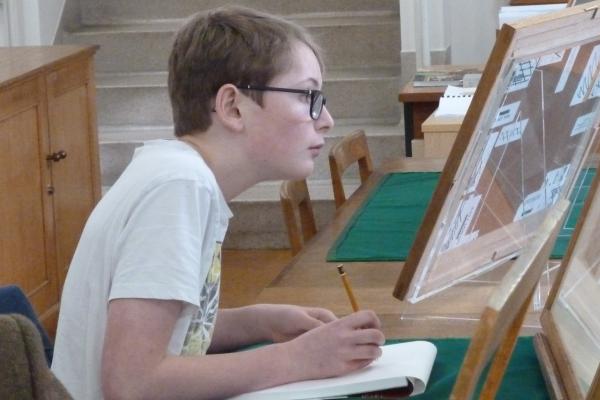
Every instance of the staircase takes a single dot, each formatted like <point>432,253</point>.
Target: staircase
<point>361,40</point>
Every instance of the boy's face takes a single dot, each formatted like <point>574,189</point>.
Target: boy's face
<point>283,139</point>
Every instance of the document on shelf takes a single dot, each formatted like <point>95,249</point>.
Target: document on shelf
<point>401,365</point>
<point>455,101</point>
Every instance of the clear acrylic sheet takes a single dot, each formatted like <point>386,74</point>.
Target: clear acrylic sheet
<point>525,156</point>
<point>576,309</point>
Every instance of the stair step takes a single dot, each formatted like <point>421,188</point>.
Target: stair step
<point>109,11</point>
<point>142,98</point>
<point>349,39</point>
<point>385,142</point>
<point>258,220</point>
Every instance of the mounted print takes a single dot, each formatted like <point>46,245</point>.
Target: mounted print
<point>525,138</point>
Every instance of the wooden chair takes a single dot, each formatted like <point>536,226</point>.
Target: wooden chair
<point>498,329</point>
<point>350,149</point>
<point>295,200</point>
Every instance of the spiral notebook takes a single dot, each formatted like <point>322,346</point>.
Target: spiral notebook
<point>455,101</point>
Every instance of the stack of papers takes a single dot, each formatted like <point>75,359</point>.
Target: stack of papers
<point>455,101</point>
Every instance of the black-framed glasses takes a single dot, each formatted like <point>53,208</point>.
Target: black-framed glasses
<point>317,99</point>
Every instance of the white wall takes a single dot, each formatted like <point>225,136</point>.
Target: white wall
<point>4,27</point>
<point>49,14</point>
<point>33,22</point>
<point>473,24</point>
<point>467,26</point>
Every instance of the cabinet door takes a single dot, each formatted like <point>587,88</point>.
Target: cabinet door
<point>75,177</point>
<point>26,225</point>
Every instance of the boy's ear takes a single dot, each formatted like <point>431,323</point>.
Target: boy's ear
<point>226,107</point>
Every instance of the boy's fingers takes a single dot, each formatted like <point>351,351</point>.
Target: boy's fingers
<point>322,314</point>
<point>369,337</point>
<point>362,319</point>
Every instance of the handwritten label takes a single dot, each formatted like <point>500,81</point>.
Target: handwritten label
<point>482,162</point>
<point>521,75</point>
<point>566,72</point>
<point>553,183</point>
<point>457,231</point>
<point>532,203</point>
<point>583,124</point>
<point>506,114</point>
<point>512,132</point>
<point>545,196</point>
<point>588,82</point>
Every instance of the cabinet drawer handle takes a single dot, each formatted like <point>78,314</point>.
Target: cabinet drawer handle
<point>56,157</point>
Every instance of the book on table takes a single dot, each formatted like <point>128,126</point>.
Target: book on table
<point>404,367</point>
<point>444,77</point>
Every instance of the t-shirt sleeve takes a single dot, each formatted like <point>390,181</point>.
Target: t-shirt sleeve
<point>159,253</point>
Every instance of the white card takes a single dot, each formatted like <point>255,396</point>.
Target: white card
<point>512,132</point>
<point>587,79</point>
<point>583,124</point>
<point>566,72</point>
<point>506,114</point>
<point>521,75</point>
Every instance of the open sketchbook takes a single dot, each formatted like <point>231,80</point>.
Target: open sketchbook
<point>400,365</point>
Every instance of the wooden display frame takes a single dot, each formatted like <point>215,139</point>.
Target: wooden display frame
<point>572,3</point>
<point>560,373</point>
<point>502,318</point>
<point>541,36</point>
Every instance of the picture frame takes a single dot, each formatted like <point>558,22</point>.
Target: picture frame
<point>501,320</point>
<point>524,139</point>
<point>568,347</point>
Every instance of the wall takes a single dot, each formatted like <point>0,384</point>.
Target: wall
<point>464,28</point>
<point>473,24</point>
<point>33,22</point>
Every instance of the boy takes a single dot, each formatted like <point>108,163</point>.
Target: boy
<point>139,307</point>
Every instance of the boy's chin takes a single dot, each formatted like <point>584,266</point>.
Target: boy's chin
<point>300,173</point>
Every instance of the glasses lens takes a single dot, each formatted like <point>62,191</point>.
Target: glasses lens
<point>317,105</point>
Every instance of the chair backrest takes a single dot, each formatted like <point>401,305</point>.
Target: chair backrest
<point>296,205</point>
<point>501,320</point>
<point>350,149</point>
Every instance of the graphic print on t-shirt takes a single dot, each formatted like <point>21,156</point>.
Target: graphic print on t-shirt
<point>199,334</point>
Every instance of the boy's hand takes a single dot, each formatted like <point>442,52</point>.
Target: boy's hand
<point>338,347</point>
<point>286,322</point>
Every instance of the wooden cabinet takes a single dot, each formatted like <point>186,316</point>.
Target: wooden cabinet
<point>49,168</point>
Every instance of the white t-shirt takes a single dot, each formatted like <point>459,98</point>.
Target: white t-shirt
<point>156,234</point>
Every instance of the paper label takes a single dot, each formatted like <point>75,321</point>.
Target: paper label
<point>553,183</point>
<point>532,203</point>
<point>545,196</point>
<point>588,84</point>
<point>566,72</point>
<point>521,75</point>
<point>512,132</point>
<point>583,124</point>
<point>457,232</point>
<point>506,114</point>
<point>551,58</point>
<point>482,162</point>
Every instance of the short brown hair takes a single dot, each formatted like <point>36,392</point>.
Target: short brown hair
<point>233,45</point>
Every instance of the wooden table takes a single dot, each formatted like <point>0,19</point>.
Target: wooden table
<point>419,103</point>
<point>309,280</point>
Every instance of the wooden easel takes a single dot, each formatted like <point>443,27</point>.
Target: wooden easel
<point>499,229</point>
<point>498,329</point>
<point>564,347</point>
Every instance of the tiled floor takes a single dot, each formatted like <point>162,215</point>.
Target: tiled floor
<point>246,272</point>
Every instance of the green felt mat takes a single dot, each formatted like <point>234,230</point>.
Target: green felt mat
<point>522,380</point>
<point>385,226</point>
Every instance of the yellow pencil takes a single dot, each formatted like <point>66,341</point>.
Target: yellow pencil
<point>348,288</point>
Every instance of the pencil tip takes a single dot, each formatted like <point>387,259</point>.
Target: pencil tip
<point>340,268</point>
